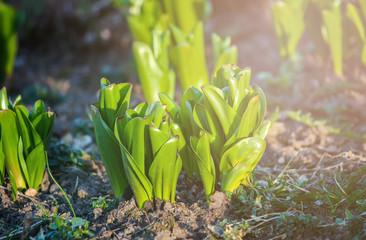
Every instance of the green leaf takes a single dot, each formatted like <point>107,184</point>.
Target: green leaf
<point>38,109</point>
<point>223,111</point>
<point>114,101</point>
<point>36,163</point>
<point>179,37</point>
<point>43,124</point>
<point>205,162</point>
<point>262,104</point>
<point>363,8</point>
<point>153,77</point>
<point>182,13</point>
<point>2,161</point>
<point>248,123</point>
<point>140,184</point>
<point>239,161</point>
<point>9,132</point>
<point>22,161</point>
<point>289,25</point>
<point>223,52</point>
<point>158,112</point>
<point>204,120</point>
<point>29,135</point>
<point>158,138</point>
<point>8,40</point>
<point>333,24</point>
<point>264,129</point>
<point>171,107</point>
<point>18,100</point>
<point>222,75</point>
<point>77,222</point>
<point>4,103</point>
<point>162,172</point>
<point>13,185</point>
<point>188,57</point>
<point>139,30</point>
<point>111,154</point>
<point>354,16</point>
<point>185,152</point>
<point>142,109</point>
<point>134,135</point>
<point>204,114</point>
<point>177,170</point>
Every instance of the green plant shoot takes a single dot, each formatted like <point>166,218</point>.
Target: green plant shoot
<point>333,34</point>
<point>188,57</point>
<point>289,24</point>
<point>185,126</point>
<point>153,66</point>
<point>232,135</point>
<point>354,15</point>
<point>185,13</point>
<point>140,150</point>
<point>224,52</point>
<point>149,153</point>
<point>24,138</point>
<point>113,102</point>
<point>8,41</point>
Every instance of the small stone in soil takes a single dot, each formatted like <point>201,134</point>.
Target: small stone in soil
<point>31,192</point>
<point>82,193</point>
<point>97,213</point>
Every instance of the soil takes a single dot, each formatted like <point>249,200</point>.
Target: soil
<point>73,57</point>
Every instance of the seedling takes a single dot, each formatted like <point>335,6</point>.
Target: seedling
<point>138,144</point>
<point>68,228</point>
<point>24,137</point>
<point>230,118</point>
<point>102,202</point>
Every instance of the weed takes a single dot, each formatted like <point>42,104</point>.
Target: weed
<point>293,205</point>
<point>61,154</point>
<point>102,202</point>
<point>68,228</point>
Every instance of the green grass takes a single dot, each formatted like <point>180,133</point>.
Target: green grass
<point>306,205</point>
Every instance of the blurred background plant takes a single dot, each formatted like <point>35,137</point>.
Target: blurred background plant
<point>8,41</point>
<point>334,32</point>
<point>150,23</point>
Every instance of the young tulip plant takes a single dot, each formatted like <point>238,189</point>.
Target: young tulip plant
<point>114,101</point>
<point>149,22</point>
<point>289,24</point>
<point>222,127</point>
<point>147,146</point>
<point>24,139</point>
<point>231,140</point>
<point>329,29</point>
